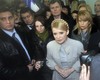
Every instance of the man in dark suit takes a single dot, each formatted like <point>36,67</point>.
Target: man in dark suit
<point>56,11</point>
<point>27,16</point>
<point>16,57</point>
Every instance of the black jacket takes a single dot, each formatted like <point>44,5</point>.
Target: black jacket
<point>94,42</point>
<point>13,59</point>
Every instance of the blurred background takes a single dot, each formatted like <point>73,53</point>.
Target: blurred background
<point>20,3</point>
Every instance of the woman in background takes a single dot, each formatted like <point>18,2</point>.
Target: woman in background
<point>84,28</point>
<point>43,37</point>
<point>85,7</point>
<point>42,33</point>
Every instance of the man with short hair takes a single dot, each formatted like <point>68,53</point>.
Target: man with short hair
<point>16,55</point>
<point>27,16</point>
<point>56,11</point>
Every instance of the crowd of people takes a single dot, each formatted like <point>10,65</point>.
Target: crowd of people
<point>48,45</point>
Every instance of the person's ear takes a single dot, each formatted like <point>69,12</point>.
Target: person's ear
<point>67,32</point>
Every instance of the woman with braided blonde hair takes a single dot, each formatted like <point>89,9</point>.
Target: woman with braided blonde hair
<point>63,53</point>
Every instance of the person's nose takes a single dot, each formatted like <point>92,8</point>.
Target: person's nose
<point>82,22</point>
<point>55,9</point>
<point>58,36</point>
<point>39,27</point>
<point>27,19</point>
<point>7,20</point>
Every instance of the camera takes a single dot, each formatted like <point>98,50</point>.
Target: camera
<point>86,58</point>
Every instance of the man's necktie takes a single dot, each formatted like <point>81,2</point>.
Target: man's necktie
<point>14,37</point>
